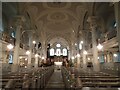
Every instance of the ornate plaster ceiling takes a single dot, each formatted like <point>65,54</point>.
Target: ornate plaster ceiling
<point>57,18</point>
<point>57,5</point>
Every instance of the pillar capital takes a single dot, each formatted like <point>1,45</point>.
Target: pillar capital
<point>93,21</point>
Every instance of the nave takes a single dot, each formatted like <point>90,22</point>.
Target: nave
<point>60,45</point>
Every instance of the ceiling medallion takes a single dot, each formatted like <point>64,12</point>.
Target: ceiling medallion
<point>57,5</point>
<point>57,17</point>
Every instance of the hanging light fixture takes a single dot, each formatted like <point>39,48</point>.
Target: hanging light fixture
<point>10,46</point>
<point>81,42</point>
<point>99,46</point>
<point>34,42</point>
<point>73,58</point>
<point>27,52</point>
<point>43,58</point>
<point>85,52</point>
<point>36,55</point>
<point>78,55</point>
<point>115,55</point>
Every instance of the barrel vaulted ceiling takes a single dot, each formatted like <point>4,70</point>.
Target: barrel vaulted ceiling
<point>67,20</point>
<point>56,19</point>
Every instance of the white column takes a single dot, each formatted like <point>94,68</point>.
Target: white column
<point>69,54</point>
<point>108,57</point>
<point>14,67</point>
<point>30,49</point>
<point>117,16</point>
<point>78,54</point>
<point>44,51</point>
<point>95,51</point>
<point>36,62</point>
<point>93,25</point>
<point>78,62</point>
<point>84,61</point>
<point>73,53</point>
<point>83,45</point>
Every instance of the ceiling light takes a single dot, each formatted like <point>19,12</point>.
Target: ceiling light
<point>115,55</point>
<point>85,52</point>
<point>25,59</point>
<point>98,58</point>
<point>99,46</point>
<point>43,58</point>
<point>25,66</point>
<point>34,42</point>
<point>11,27</point>
<point>10,46</point>
<point>75,44</point>
<point>78,55</point>
<point>36,55</point>
<point>20,57</point>
<point>81,42</point>
<point>73,58</point>
<point>88,58</point>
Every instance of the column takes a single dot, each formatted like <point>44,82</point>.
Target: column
<point>36,62</point>
<point>117,16</point>
<point>72,54</point>
<point>15,65</point>
<point>84,55</point>
<point>44,51</point>
<point>84,61</point>
<point>36,58</point>
<point>30,49</point>
<point>78,62</point>
<point>93,26</point>
<point>108,57</point>
<point>78,54</point>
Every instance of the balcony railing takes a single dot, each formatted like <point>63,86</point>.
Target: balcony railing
<point>111,34</point>
<point>7,38</point>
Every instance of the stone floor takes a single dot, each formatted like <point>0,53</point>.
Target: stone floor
<point>55,81</point>
<point>88,88</point>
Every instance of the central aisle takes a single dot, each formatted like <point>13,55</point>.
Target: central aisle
<point>56,81</point>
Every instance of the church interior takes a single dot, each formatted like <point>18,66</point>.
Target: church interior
<point>60,45</point>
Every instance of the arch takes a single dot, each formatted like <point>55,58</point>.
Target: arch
<point>59,40</point>
<point>63,11</point>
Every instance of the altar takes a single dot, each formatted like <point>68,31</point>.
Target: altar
<point>58,65</point>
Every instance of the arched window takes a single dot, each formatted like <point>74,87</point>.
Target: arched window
<point>58,52</point>
<point>80,46</point>
<point>115,25</point>
<point>13,34</point>
<point>52,52</point>
<point>64,52</point>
